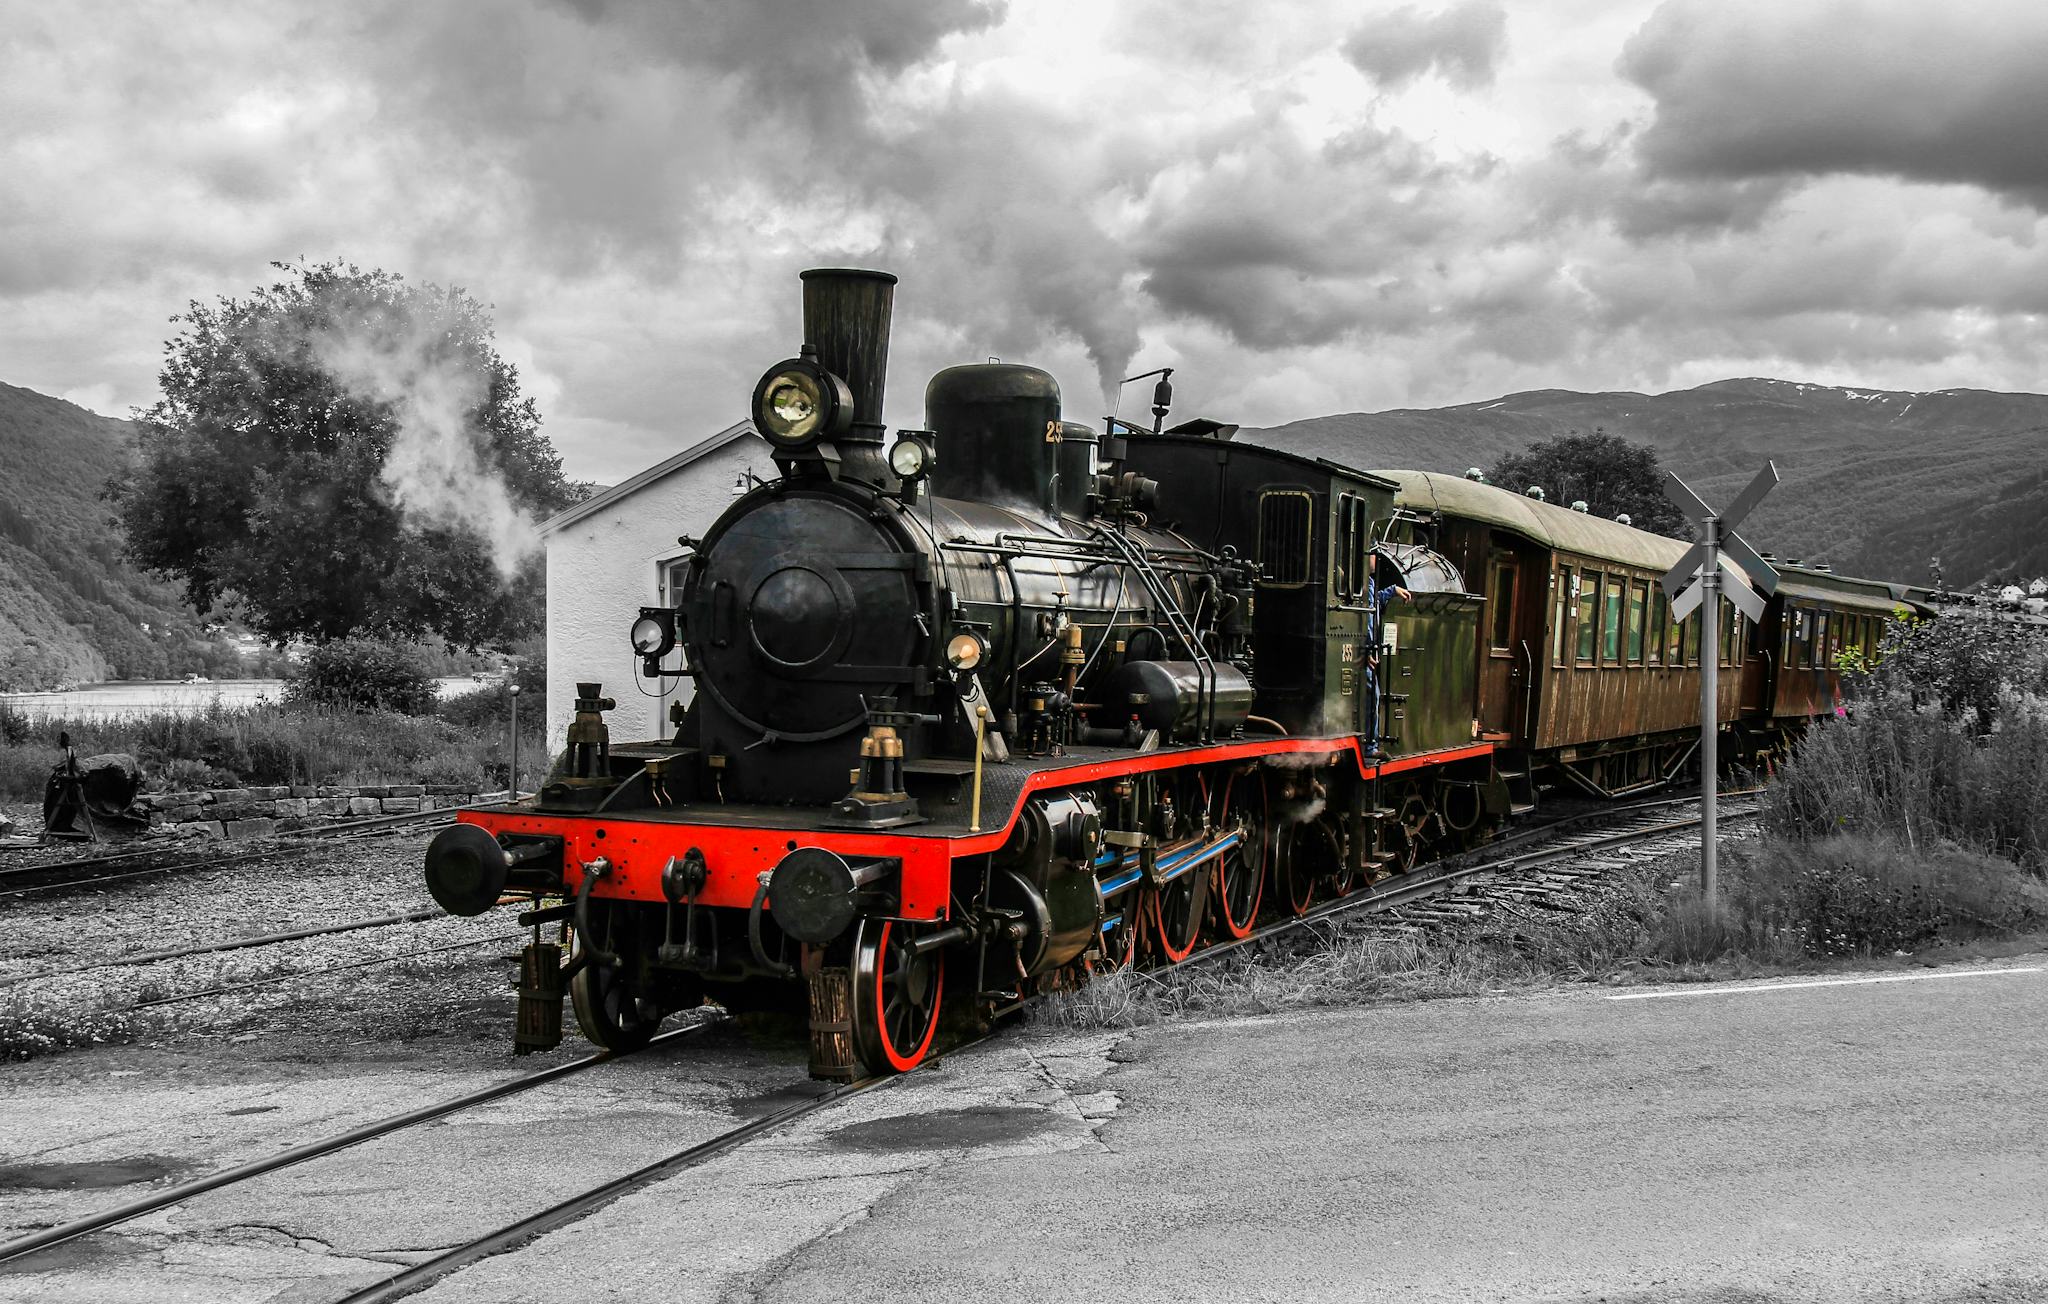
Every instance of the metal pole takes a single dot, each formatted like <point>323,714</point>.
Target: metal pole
<point>1710,715</point>
<point>513,784</point>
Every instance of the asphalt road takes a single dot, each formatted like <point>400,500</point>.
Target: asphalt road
<point>1874,1141</point>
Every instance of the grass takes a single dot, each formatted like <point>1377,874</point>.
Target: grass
<point>271,745</point>
<point>1787,908</point>
<point>1920,777</point>
<point>36,1021</point>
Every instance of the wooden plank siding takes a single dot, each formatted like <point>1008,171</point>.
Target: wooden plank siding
<point>1615,667</point>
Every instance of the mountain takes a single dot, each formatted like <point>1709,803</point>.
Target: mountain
<point>72,608</point>
<point>1876,482</point>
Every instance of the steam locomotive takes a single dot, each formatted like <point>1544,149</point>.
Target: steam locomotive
<point>999,703</point>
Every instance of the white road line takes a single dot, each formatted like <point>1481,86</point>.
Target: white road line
<point>1820,982</point>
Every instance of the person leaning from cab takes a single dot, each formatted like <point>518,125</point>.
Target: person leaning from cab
<point>1377,596</point>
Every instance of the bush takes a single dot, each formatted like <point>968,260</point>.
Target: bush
<point>1847,895</point>
<point>363,674</point>
<point>1917,776</point>
<point>266,746</point>
<point>491,707</point>
<point>15,729</point>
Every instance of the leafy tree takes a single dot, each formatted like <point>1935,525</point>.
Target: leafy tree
<point>343,452</point>
<point>1613,476</point>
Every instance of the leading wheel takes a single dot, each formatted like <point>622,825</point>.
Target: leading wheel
<point>609,1014</point>
<point>895,995</point>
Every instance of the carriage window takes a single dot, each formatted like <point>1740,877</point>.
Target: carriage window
<point>1659,617</point>
<point>1502,596</point>
<point>1725,635</point>
<point>1610,617</point>
<point>1354,532</point>
<point>1692,639</point>
<point>1638,598</point>
<point>1562,602</point>
<point>1284,519</point>
<point>1820,641</point>
<point>1589,614</point>
<point>1674,641</point>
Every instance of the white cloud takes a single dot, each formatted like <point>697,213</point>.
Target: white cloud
<point>1511,197</point>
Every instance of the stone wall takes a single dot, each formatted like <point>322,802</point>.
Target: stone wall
<point>259,812</point>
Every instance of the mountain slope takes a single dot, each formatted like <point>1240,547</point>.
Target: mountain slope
<point>72,609</point>
<point>1875,481</point>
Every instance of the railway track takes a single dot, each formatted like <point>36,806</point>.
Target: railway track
<point>1547,851</point>
<point>74,873</point>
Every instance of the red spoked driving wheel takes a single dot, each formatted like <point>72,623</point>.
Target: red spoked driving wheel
<point>1241,871</point>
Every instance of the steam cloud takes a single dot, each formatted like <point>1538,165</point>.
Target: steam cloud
<point>432,469</point>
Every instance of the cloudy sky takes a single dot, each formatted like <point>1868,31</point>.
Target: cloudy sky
<point>1306,208</point>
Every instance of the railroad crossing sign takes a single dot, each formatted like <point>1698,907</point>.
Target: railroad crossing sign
<point>1696,583</point>
<point>1732,559</point>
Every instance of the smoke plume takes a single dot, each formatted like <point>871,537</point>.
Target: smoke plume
<point>433,394</point>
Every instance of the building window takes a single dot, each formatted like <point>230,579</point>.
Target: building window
<point>1589,614</point>
<point>1284,518</point>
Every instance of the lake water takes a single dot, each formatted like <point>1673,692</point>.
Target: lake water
<point>106,701</point>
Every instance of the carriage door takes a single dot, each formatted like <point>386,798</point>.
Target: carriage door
<point>1758,640</point>
<point>1504,669</point>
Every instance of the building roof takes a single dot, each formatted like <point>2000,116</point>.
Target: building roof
<point>661,470</point>
<point>1558,528</point>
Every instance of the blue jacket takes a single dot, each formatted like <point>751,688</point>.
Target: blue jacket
<point>1378,599</point>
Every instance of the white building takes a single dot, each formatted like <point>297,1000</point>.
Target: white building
<point>615,553</point>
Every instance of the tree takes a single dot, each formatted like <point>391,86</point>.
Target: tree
<point>1611,474</point>
<point>343,452</point>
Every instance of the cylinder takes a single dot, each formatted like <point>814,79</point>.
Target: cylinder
<point>1167,696</point>
<point>998,428</point>
<point>1076,462</point>
<point>846,321</point>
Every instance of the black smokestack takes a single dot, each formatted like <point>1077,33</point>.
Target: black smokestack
<point>846,320</point>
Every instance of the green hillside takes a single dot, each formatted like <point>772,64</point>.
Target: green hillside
<point>1875,481</point>
<point>72,610</point>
